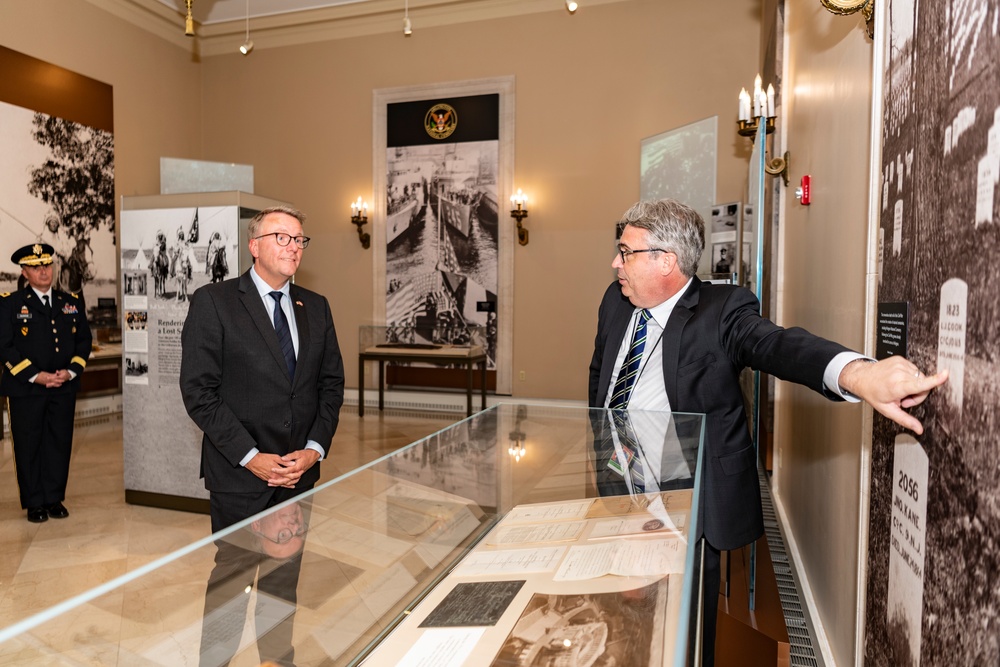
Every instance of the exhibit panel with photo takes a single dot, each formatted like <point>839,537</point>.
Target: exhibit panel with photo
<point>934,516</point>
<point>166,254</point>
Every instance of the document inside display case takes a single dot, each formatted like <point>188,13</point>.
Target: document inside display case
<point>595,581</point>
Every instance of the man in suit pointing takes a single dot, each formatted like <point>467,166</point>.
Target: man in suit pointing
<point>667,341</point>
<point>262,376</point>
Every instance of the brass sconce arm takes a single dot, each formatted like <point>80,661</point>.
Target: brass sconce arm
<point>778,167</point>
<point>522,232</point>
<point>848,7</point>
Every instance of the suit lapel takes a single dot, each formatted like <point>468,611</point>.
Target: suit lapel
<point>254,305</point>
<point>617,329</point>
<point>679,317</point>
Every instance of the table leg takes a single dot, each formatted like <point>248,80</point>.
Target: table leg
<point>482,367</point>
<point>381,385</point>
<point>468,389</point>
<point>361,387</point>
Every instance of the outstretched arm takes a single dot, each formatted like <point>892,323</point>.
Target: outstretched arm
<point>891,386</point>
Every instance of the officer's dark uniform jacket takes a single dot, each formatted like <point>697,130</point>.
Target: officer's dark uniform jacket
<point>33,340</point>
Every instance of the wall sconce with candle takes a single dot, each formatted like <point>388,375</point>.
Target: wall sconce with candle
<point>519,212</point>
<point>359,216</point>
<point>753,111</point>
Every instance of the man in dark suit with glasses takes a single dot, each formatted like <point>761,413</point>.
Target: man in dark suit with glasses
<point>262,376</point>
<point>668,342</point>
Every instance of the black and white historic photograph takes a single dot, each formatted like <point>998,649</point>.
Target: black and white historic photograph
<point>596,630</point>
<point>681,164</point>
<point>173,252</point>
<point>726,218</point>
<point>57,187</point>
<point>940,221</point>
<point>441,243</point>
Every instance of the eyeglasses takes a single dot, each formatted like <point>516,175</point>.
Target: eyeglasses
<point>626,253</point>
<point>283,239</point>
<point>285,535</point>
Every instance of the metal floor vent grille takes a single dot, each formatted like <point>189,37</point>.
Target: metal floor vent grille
<point>799,635</point>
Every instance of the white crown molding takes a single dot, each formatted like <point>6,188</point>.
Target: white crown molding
<point>325,24</point>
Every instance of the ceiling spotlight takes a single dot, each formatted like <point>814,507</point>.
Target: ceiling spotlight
<point>571,6</point>
<point>247,45</point>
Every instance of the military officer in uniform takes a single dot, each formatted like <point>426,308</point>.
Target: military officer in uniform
<point>45,342</point>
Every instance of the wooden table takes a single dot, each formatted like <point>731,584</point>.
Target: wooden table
<point>445,354</point>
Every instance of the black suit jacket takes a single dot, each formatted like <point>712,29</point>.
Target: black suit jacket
<point>235,384</point>
<point>33,339</point>
<point>712,334</point>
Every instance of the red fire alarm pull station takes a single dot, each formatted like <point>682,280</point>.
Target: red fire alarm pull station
<point>804,193</point>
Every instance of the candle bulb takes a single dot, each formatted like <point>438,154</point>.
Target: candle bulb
<point>770,101</point>
<point>743,115</point>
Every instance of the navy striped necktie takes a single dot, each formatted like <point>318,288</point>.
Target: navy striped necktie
<point>629,371</point>
<point>284,334</point>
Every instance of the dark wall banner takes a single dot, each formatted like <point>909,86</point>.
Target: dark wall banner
<point>933,596</point>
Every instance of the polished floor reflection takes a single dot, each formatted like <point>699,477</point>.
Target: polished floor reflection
<point>43,564</point>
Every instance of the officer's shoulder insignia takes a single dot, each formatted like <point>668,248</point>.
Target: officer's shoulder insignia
<point>4,295</point>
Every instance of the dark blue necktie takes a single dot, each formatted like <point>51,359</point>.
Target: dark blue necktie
<point>284,334</point>
<point>630,367</point>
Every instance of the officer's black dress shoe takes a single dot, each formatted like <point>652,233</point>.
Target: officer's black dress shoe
<point>57,511</point>
<point>37,515</point>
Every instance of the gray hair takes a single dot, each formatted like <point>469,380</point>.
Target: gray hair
<point>671,226</point>
<point>253,229</point>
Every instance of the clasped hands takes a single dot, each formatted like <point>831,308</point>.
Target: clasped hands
<point>890,386</point>
<point>282,470</point>
<point>53,380</point>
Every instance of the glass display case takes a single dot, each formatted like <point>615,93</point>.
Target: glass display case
<point>523,535</point>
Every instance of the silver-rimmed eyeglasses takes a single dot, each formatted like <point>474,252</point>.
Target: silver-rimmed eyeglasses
<point>283,239</point>
<point>626,252</point>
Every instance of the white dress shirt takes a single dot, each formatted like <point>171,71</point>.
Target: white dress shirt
<point>286,306</point>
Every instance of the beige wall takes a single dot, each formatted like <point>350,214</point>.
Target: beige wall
<point>589,87</point>
<point>822,280</point>
<point>157,86</point>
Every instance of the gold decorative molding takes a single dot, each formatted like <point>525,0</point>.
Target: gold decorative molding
<point>848,7</point>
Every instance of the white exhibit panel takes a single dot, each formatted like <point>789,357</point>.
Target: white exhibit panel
<point>170,246</point>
